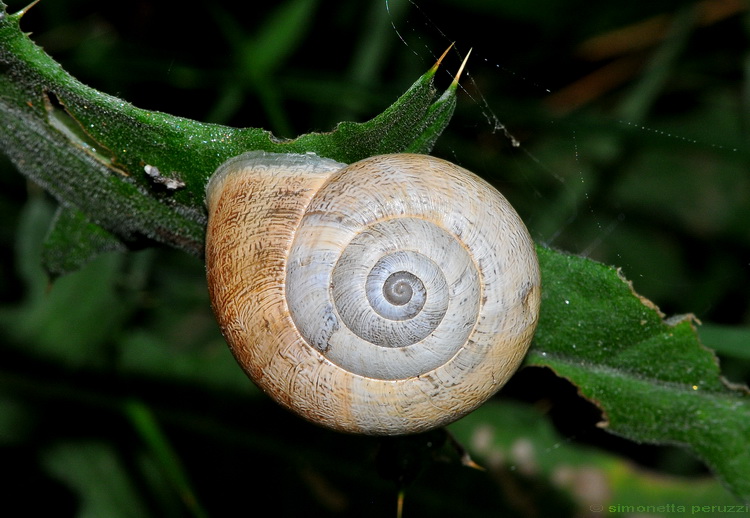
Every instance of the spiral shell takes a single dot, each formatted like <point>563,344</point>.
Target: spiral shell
<point>389,296</point>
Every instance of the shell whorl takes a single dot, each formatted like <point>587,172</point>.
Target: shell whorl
<point>388,296</point>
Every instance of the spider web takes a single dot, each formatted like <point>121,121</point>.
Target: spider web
<point>566,189</point>
<point>566,175</point>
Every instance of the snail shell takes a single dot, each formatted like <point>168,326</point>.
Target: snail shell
<point>389,296</point>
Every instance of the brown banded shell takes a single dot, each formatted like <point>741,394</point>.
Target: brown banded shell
<point>389,296</point>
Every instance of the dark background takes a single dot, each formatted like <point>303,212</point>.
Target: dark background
<point>633,151</point>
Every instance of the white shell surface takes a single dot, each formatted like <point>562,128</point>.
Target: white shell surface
<point>310,256</point>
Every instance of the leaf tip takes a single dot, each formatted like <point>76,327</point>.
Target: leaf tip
<point>20,13</point>
<point>454,84</point>
<point>440,59</point>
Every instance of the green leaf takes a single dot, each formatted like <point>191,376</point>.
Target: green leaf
<point>144,421</point>
<point>516,441</point>
<point>89,149</point>
<point>99,476</point>
<point>732,341</point>
<point>68,322</point>
<point>652,378</point>
<point>280,34</point>
<point>258,56</point>
<point>73,241</point>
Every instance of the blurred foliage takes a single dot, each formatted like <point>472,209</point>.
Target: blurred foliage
<point>118,397</point>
